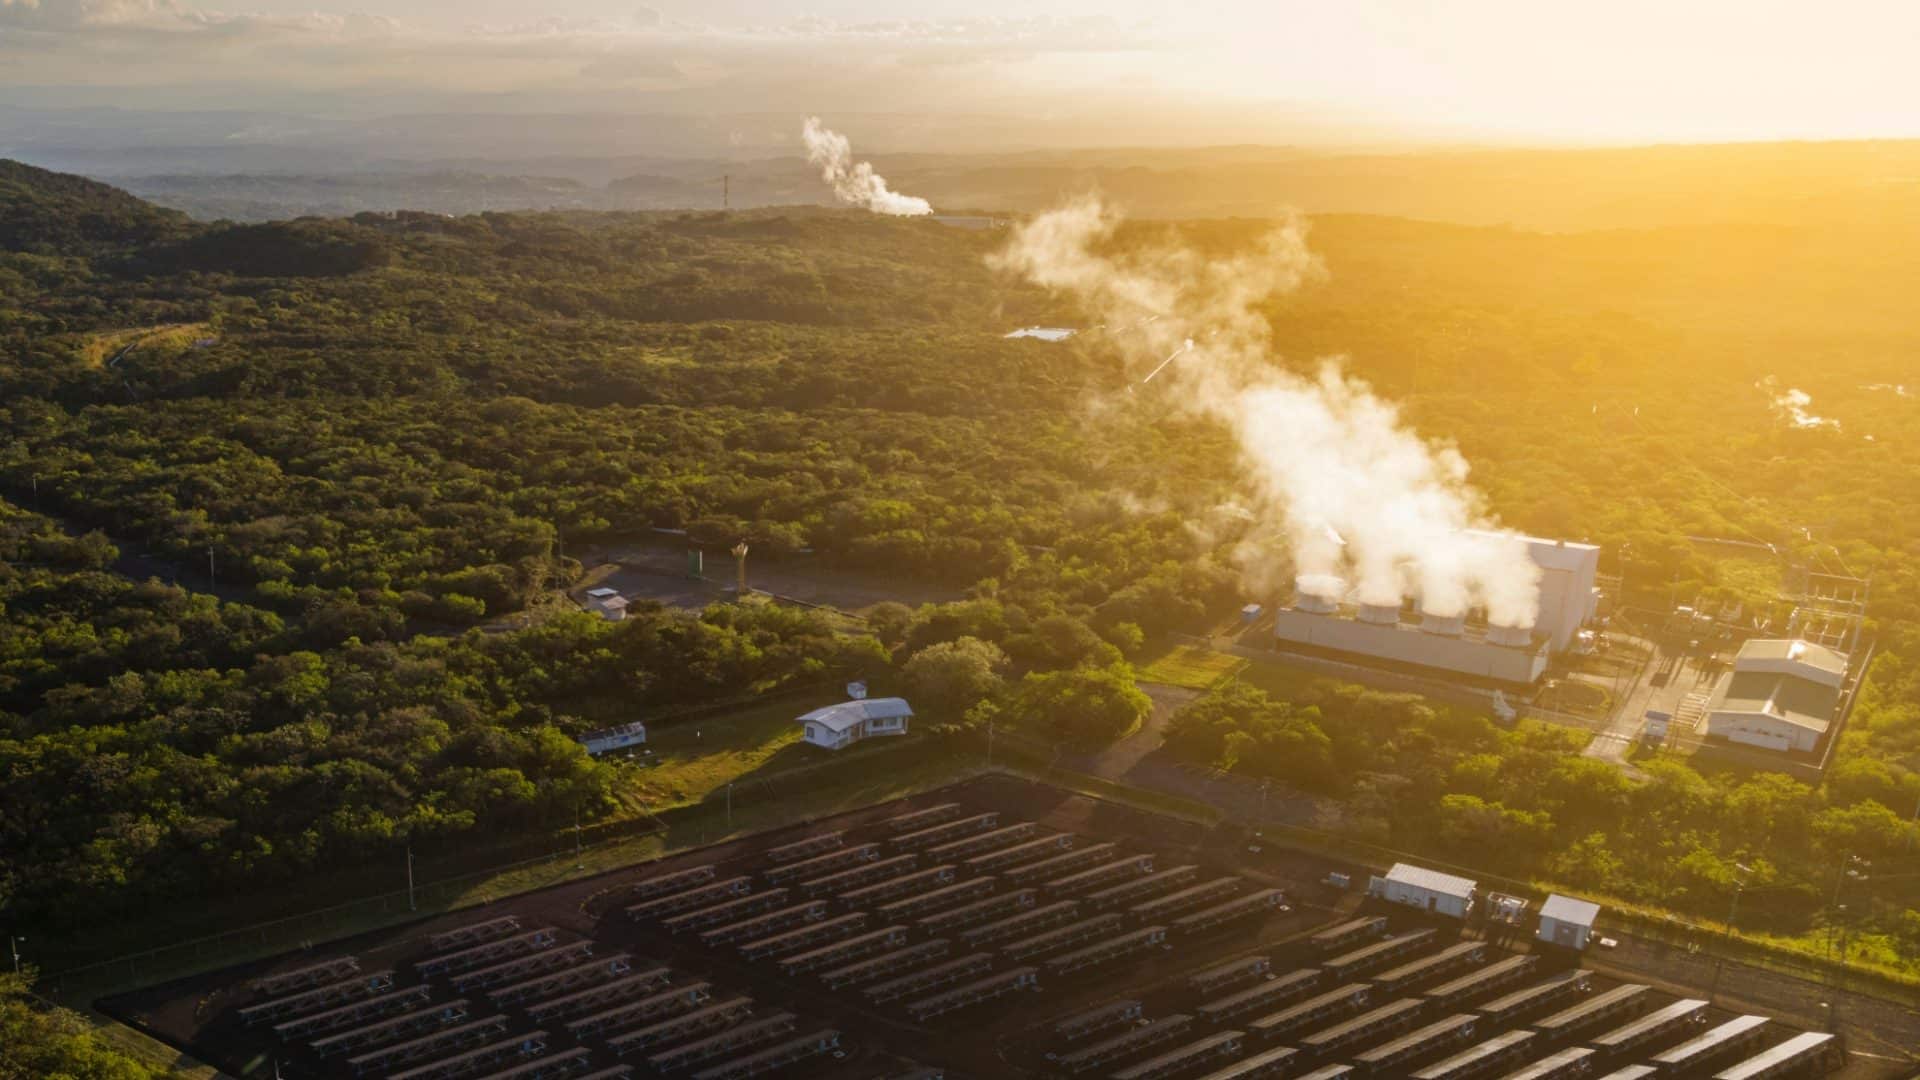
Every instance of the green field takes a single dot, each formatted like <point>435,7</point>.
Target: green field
<point>1192,666</point>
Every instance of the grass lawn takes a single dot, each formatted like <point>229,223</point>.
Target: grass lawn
<point>1281,680</point>
<point>695,758</point>
<point>1191,666</point>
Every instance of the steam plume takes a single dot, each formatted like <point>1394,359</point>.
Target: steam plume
<point>1792,404</point>
<point>1331,466</point>
<point>855,182</point>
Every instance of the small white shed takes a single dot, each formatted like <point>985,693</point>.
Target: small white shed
<point>1567,922</point>
<point>835,726</point>
<point>1428,890</point>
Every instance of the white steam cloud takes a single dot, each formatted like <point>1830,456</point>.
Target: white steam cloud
<point>1331,467</point>
<point>1792,405</point>
<point>855,182</point>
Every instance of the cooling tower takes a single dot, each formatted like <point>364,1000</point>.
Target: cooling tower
<point>1516,636</point>
<point>1318,593</point>
<point>1380,614</point>
<point>1449,625</point>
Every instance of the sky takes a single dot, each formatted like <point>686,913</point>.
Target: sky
<point>1504,71</point>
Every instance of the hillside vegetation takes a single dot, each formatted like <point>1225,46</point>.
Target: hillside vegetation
<point>400,424</point>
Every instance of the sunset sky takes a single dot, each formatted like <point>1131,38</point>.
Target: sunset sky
<point>1479,70</point>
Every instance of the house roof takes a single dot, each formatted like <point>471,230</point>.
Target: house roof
<point>1793,651</point>
<point>602,592</point>
<point>1568,910</point>
<point>849,714</point>
<point>1791,700</point>
<point>1432,880</point>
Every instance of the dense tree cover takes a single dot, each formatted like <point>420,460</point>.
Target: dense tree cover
<point>56,1044</point>
<point>410,426</point>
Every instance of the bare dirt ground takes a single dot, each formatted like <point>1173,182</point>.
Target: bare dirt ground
<point>1010,1036</point>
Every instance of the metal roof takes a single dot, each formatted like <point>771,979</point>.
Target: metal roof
<point>1785,698</point>
<point>1808,653</point>
<point>1568,910</point>
<point>850,714</point>
<point>1432,880</point>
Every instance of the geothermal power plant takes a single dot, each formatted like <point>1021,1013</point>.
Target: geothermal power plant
<point>1326,616</point>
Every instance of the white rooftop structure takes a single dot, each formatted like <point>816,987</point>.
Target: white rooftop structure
<point>1782,694</point>
<point>835,726</point>
<point>1432,880</point>
<point>1801,659</point>
<point>602,592</point>
<point>1566,909</point>
<point>1044,333</point>
<point>1428,890</point>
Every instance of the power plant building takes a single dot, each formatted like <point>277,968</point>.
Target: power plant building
<point>1321,617</point>
<point>1780,695</point>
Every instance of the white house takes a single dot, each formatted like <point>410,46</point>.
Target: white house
<point>1567,922</point>
<point>608,603</point>
<point>1428,890</point>
<point>835,726</point>
<point>607,740</point>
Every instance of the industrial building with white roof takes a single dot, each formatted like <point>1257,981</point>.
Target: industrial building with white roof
<point>1780,695</point>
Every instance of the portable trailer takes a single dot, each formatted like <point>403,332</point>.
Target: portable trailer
<point>1377,955</point>
<point>1129,891</point>
<point>986,841</point>
<point>1530,999</point>
<point>1335,938</point>
<point>840,952</point>
<point>1126,1044</point>
<point>1255,903</point>
<point>812,845</point>
<point>1161,908</point>
<point>1621,1001</point>
<point>532,1044</point>
<point>405,1053</point>
<point>1652,1027</point>
<point>1569,1064</point>
<point>971,889</point>
<point>547,1068</point>
<point>1482,1058</point>
<point>1093,877</point>
<point>487,952</point>
<point>774,1057</point>
<point>1496,976</point>
<point>1388,1019</point>
<point>966,915</point>
<point>920,819</point>
<point>1184,1058</point>
<point>537,963</point>
<point>607,994</point>
<point>301,978</point>
<point>729,911</point>
<point>1111,949</point>
<point>1274,1062</point>
<point>1338,1003</point>
<point>885,964</point>
<point>765,923</point>
<point>685,1026</point>
<point>1404,978</point>
<point>473,934</point>
<point>662,884</point>
<point>595,972</point>
<point>1097,1019</point>
<point>1737,1035</point>
<point>1221,976</point>
<point>928,978</point>
<point>900,886</point>
<point>992,986</point>
<point>1812,1052</point>
<point>1060,938</point>
<point>948,830</point>
<point>673,903</point>
<point>680,999</point>
<point>369,1008</point>
<point>1044,847</point>
<point>1262,995</point>
<point>821,865</point>
<point>390,1029</point>
<point>732,1040</point>
<point>1064,863</point>
<point>1039,918</point>
<point>879,870</point>
<point>817,933</point>
<point>320,997</point>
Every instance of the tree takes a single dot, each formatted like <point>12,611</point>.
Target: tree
<point>57,1043</point>
<point>945,680</point>
<point>1092,704</point>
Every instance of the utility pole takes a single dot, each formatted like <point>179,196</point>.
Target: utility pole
<point>14,941</point>
<point>740,569</point>
<point>729,806</point>
<point>410,903</point>
<point>578,862</point>
<point>989,744</point>
<point>1733,910</point>
<point>212,582</point>
<point>726,191</point>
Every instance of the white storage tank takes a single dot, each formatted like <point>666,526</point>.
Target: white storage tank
<point>1318,593</point>
<point>1448,625</point>
<point>1380,614</point>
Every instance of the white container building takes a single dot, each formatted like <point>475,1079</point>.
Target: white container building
<point>1567,922</point>
<point>1427,890</point>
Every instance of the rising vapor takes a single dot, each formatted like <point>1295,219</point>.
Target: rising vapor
<point>1793,405</point>
<point>854,182</point>
<point>1332,468</point>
